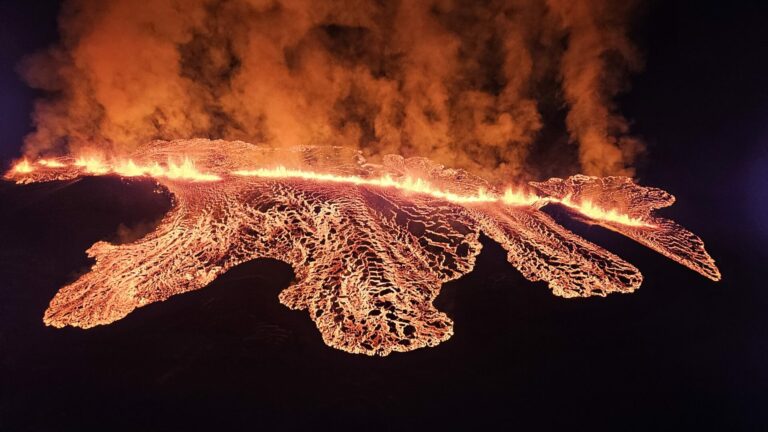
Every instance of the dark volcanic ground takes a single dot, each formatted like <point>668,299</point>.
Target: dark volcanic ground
<point>681,352</point>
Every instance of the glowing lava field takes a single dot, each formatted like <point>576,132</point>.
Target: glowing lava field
<point>370,244</point>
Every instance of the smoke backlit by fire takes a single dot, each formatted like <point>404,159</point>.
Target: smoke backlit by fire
<point>469,84</point>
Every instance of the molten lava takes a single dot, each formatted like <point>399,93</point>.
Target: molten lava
<point>596,213</point>
<point>52,163</point>
<point>185,170</point>
<point>370,244</point>
<point>23,167</point>
<point>407,184</point>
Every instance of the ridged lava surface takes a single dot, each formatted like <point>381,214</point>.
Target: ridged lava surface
<point>667,237</point>
<point>369,261</point>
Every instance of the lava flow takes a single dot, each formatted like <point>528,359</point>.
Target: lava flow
<point>371,244</point>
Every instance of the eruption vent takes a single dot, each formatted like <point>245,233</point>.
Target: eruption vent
<point>371,245</point>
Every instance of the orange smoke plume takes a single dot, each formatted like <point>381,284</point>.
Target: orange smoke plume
<point>459,81</point>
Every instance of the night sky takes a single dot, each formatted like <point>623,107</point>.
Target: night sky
<point>681,353</point>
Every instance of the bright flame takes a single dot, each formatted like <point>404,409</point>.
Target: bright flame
<point>517,197</point>
<point>23,167</point>
<point>510,197</point>
<point>92,165</point>
<point>592,211</point>
<point>129,169</point>
<point>408,184</point>
<point>184,171</point>
<point>50,163</point>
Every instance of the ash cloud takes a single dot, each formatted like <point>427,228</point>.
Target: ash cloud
<point>461,82</point>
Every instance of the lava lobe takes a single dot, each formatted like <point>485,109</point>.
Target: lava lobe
<point>370,246</point>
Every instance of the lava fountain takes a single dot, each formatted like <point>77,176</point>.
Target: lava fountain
<point>370,244</point>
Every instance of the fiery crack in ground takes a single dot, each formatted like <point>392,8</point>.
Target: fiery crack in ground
<point>370,244</point>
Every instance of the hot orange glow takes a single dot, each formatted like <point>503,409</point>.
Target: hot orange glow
<point>511,197</point>
<point>129,169</point>
<point>592,211</point>
<point>23,167</point>
<point>186,170</point>
<point>519,197</point>
<point>92,165</point>
<point>50,163</point>
<point>407,184</point>
<point>368,265</point>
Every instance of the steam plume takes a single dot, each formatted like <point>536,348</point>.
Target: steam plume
<point>458,81</point>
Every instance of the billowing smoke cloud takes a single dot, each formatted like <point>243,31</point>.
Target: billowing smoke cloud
<point>459,81</point>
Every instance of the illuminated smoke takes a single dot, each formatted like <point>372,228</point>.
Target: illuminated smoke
<point>592,72</point>
<point>461,82</point>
